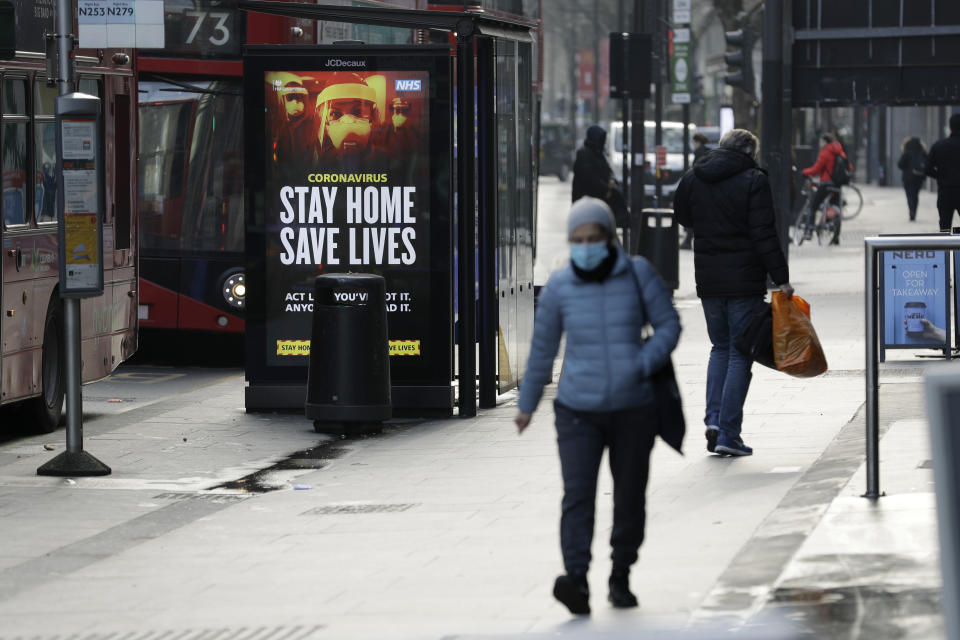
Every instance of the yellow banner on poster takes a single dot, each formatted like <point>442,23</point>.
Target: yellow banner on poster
<point>293,347</point>
<point>404,347</point>
<point>302,347</point>
<point>82,245</point>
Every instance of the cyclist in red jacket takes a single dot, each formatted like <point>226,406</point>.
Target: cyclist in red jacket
<point>823,169</point>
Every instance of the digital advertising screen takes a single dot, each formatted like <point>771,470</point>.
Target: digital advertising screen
<point>351,174</point>
<point>914,299</point>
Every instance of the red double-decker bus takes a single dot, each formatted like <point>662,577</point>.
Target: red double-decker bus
<point>31,327</point>
<point>190,198</point>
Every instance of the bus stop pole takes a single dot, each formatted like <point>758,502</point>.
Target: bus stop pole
<point>71,306</point>
<point>75,461</point>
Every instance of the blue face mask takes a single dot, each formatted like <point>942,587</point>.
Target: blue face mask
<point>588,255</point>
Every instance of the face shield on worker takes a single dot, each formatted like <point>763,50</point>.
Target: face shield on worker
<point>346,113</point>
<point>291,94</point>
<point>400,111</point>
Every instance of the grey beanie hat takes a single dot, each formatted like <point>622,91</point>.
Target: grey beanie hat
<point>589,210</point>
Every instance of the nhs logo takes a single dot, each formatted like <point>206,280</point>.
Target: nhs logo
<point>407,85</point>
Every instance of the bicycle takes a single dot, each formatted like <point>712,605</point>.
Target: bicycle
<point>851,200</point>
<point>825,221</point>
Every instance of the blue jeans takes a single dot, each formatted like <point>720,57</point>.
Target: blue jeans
<point>728,373</point>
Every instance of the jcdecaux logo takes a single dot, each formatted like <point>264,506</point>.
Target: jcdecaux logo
<point>407,85</point>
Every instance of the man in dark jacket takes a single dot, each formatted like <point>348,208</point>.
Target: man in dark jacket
<point>727,201</point>
<point>943,165</point>
<point>592,175</point>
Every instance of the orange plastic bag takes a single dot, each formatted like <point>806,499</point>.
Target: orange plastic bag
<point>796,349</point>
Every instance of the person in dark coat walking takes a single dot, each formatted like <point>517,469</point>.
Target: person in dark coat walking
<point>728,202</point>
<point>592,175</point>
<point>700,147</point>
<point>605,397</point>
<point>913,167</point>
<point>943,165</point>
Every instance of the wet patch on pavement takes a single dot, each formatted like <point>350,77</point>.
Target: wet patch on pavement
<point>873,612</point>
<point>278,475</point>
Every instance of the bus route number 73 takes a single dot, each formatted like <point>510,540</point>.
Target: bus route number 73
<point>221,31</point>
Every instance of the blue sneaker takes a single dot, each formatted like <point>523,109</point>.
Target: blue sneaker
<point>732,446</point>
<point>711,434</point>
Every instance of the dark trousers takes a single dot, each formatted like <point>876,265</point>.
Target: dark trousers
<point>912,188</point>
<point>948,201</point>
<point>823,192</point>
<point>581,438</point>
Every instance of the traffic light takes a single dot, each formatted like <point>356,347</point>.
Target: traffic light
<point>8,35</point>
<point>696,88</point>
<point>740,60</point>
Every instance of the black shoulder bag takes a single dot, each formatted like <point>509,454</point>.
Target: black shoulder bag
<point>671,425</point>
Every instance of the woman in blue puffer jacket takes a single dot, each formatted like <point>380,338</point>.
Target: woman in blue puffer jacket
<point>605,398</point>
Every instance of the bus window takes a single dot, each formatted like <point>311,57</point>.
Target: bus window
<point>13,138</point>
<point>45,153</point>
<point>90,86</point>
<point>121,190</point>
<point>45,99</point>
<point>164,132</point>
<point>14,97</point>
<point>213,213</point>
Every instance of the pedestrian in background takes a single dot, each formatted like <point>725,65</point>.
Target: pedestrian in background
<point>943,165</point>
<point>913,167</point>
<point>728,202</point>
<point>700,149</point>
<point>605,399</point>
<point>592,175</point>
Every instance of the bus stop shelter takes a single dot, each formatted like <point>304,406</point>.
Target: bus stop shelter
<point>482,194</point>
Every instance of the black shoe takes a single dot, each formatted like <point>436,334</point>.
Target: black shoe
<point>573,592</point>
<point>711,434</point>
<point>620,595</point>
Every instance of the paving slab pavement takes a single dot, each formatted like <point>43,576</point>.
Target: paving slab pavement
<point>448,528</point>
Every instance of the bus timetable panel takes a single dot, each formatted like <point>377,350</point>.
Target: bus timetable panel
<point>349,169</point>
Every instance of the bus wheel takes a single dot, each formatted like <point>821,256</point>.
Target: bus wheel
<point>48,408</point>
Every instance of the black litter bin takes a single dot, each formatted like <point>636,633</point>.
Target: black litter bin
<point>348,385</point>
<point>654,234</point>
